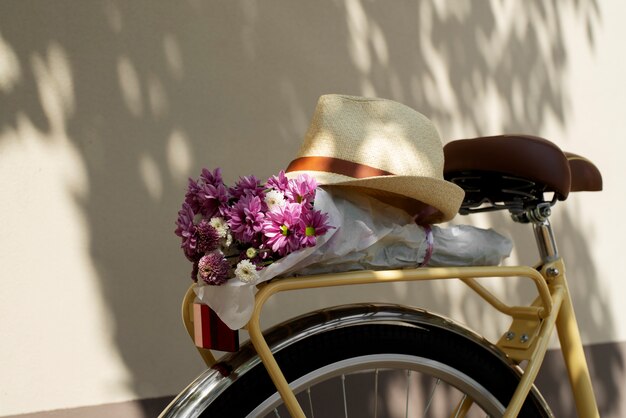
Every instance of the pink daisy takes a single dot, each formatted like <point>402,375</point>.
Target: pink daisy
<point>280,228</point>
<point>301,190</point>
<point>313,223</point>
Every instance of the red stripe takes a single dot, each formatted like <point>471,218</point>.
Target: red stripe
<point>211,332</point>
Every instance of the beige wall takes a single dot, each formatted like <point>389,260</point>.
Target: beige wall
<point>106,107</point>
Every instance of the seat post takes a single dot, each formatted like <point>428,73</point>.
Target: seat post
<point>544,235</point>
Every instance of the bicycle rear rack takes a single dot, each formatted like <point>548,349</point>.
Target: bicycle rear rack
<point>526,339</point>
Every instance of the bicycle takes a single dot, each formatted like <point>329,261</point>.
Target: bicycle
<point>373,345</point>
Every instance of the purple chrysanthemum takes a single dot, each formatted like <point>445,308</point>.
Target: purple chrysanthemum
<point>213,269</point>
<point>301,190</point>
<point>313,223</point>
<point>213,178</point>
<point>208,195</point>
<point>280,228</point>
<point>247,185</point>
<point>212,199</point>
<point>246,218</point>
<point>207,237</point>
<point>279,182</point>
<point>186,229</point>
<point>191,197</point>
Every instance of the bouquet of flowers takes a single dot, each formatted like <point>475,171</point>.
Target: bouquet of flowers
<point>235,232</point>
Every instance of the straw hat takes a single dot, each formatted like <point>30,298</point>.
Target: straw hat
<point>382,147</point>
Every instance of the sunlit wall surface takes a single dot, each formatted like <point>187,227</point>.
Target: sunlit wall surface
<point>106,107</point>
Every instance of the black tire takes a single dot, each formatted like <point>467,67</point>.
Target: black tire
<point>442,349</point>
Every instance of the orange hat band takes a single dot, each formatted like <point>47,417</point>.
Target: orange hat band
<point>335,165</point>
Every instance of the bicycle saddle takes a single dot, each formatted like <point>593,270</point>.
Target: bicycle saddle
<point>516,168</point>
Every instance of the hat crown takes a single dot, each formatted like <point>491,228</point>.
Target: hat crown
<point>379,133</point>
<point>386,149</point>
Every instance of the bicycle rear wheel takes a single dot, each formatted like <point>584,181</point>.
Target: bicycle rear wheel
<point>381,370</point>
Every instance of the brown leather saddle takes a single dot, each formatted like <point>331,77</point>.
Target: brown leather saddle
<point>514,171</point>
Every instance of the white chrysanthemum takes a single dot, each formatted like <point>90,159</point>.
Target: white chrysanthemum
<point>275,199</point>
<point>228,240</point>
<point>220,225</point>
<point>246,271</point>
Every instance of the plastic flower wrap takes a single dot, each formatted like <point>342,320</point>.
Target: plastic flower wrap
<point>236,232</point>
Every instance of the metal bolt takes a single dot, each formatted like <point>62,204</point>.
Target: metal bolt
<point>552,271</point>
<point>524,338</point>
<point>510,335</point>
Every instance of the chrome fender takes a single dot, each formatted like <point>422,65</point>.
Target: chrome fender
<point>211,383</point>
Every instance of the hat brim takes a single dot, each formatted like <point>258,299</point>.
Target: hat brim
<point>441,195</point>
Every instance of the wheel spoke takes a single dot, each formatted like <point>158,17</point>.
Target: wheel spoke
<point>459,407</point>
<point>308,391</point>
<point>345,402</point>
<point>376,393</point>
<point>408,392</point>
<point>432,395</point>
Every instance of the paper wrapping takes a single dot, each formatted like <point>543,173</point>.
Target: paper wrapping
<point>367,235</point>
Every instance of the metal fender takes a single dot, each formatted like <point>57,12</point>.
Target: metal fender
<point>215,380</point>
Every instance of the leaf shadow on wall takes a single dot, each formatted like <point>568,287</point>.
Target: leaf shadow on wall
<point>160,90</point>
